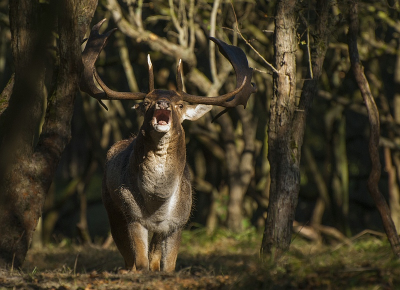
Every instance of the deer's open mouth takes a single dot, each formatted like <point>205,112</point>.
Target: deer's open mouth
<point>161,120</point>
<point>162,116</point>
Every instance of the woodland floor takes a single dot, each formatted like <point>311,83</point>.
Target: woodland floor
<point>221,261</point>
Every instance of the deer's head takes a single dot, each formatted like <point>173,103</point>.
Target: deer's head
<point>165,109</point>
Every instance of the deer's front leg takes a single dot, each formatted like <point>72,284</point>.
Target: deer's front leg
<point>139,236</point>
<point>155,252</point>
<point>169,248</point>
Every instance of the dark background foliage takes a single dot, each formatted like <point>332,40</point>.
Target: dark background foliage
<point>335,163</point>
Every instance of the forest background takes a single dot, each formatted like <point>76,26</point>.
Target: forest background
<point>229,158</point>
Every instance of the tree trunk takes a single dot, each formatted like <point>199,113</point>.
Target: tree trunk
<point>335,124</point>
<point>235,211</point>
<point>373,116</point>
<point>29,154</point>
<point>393,189</point>
<point>239,165</point>
<point>287,122</point>
<point>323,200</point>
<point>82,225</point>
<point>285,178</point>
<point>395,193</point>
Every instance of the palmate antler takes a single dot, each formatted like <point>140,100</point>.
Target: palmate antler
<point>96,42</point>
<point>244,87</point>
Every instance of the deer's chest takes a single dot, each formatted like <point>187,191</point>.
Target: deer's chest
<point>158,176</point>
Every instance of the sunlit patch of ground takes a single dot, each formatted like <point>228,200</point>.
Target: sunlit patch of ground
<point>221,261</point>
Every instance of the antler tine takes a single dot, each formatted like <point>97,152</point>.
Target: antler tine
<point>151,74</point>
<point>219,100</point>
<point>95,44</point>
<point>113,95</point>
<point>179,81</point>
<point>244,87</point>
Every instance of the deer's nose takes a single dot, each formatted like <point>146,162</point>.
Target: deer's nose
<point>162,104</point>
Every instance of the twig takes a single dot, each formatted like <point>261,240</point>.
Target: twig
<point>248,43</point>
<point>260,71</point>
<point>367,231</point>
<point>308,41</point>
<point>178,27</point>
<point>12,264</point>
<point>308,49</point>
<point>155,42</point>
<point>76,263</point>
<point>359,235</point>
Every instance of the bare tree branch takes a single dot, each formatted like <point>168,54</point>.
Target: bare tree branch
<point>373,116</point>
<point>213,20</point>
<point>248,43</point>
<point>192,28</point>
<point>124,55</point>
<point>177,25</point>
<point>155,42</point>
<point>6,94</point>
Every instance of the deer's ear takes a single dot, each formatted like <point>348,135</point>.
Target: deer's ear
<point>194,112</point>
<point>139,108</point>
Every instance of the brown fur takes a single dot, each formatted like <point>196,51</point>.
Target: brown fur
<point>146,186</point>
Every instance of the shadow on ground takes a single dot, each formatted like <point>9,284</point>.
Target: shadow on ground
<point>223,263</point>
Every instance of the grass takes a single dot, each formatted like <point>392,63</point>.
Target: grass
<point>223,260</point>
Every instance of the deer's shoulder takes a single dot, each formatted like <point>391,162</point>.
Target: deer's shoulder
<point>119,146</point>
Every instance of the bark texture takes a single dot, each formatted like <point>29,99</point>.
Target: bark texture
<point>373,116</point>
<point>285,178</point>
<point>239,165</point>
<point>287,120</point>
<point>31,151</point>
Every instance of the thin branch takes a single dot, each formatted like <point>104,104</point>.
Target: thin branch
<point>213,20</point>
<point>306,23</point>
<point>185,26</point>
<point>192,31</point>
<point>308,46</point>
<point>178,27</point>
<point>155,42</point>
<point>248,43</point>
<point>138,15</point>
<point>124,55</point>
<point>217,78</point>
<point>173,16</point>
<point>6,94</point>
<point>373,116</point>
<point>363,233</point>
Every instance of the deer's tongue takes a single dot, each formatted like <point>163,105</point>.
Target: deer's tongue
<point>162,116</point>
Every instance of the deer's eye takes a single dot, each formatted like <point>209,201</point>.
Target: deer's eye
<point>146,104</point>
<point>180,106</point>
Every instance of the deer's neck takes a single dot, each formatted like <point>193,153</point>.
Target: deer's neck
<point>159,164</point>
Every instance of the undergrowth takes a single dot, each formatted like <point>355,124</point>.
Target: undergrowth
<point>223,260</point>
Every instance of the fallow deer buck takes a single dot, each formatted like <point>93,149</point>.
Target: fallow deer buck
<point>146,185</point>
